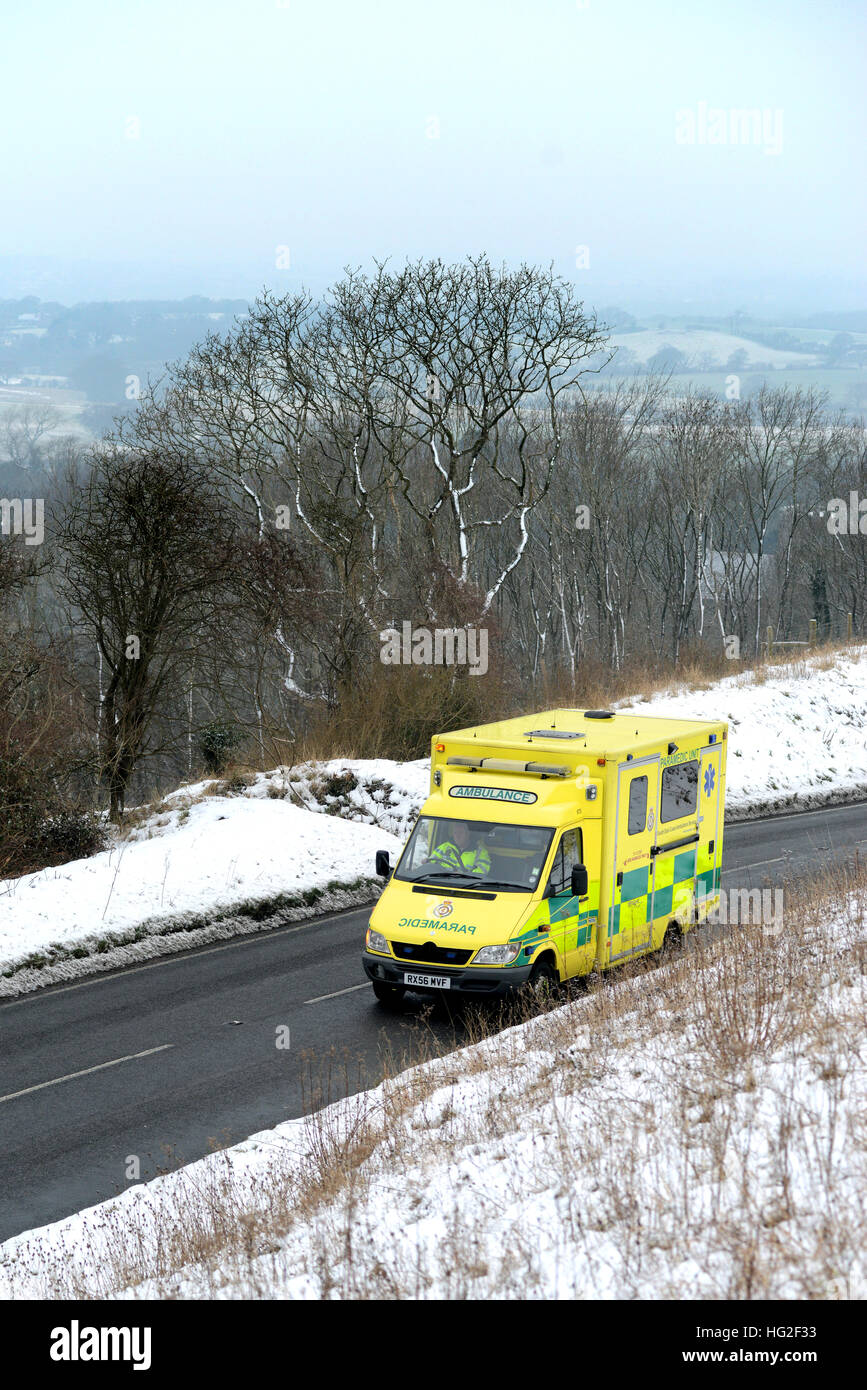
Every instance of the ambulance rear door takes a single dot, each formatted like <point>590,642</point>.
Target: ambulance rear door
<point>630,916</point>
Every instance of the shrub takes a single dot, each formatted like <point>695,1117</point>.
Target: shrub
<point>47,756</point>
<point>71,835</point>
<point>217,742</point>
<point>37,827</point>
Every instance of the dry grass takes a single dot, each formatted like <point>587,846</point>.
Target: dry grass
<point>395,713</point>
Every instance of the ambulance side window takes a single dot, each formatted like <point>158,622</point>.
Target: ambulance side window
<point>568,854</point>
<point>637,805</point>
<point>679,791</point>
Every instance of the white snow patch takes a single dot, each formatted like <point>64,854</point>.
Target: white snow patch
<point>696,343</point>
<point>207,860</point>
<point>797,739</point>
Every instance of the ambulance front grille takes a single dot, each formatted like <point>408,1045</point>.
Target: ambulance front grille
<point>429,953</point>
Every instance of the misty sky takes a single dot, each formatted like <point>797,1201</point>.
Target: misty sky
<point>352,131</point>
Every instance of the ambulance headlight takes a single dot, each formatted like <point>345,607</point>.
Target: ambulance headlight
<point>498,955</point>
<point>377,942</point>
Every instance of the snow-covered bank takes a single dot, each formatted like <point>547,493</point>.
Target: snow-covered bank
<point>215,861</point>
<point>797,733</point>
<point>212,862</point>
<point>697,1131</point>
<point>234,865</point>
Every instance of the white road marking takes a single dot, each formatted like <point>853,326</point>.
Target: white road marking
<point>351,990</point>
<point>115,1062</point>
<point>757,865</point>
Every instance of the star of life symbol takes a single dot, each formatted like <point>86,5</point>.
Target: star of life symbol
<point>709,778</point>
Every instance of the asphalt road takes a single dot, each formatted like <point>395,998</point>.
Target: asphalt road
<point>168,1060</point>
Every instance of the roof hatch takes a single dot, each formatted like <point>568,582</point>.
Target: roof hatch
<point>510,765</point>
<point>555,733</point>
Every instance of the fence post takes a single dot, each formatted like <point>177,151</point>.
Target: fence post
<point>848,627</point>
<point>770,635</point>
<point>814,632</point>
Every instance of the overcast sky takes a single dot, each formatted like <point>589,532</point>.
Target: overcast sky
<point>172,146</point>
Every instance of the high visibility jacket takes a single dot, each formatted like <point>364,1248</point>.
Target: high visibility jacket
<point>472,861</point>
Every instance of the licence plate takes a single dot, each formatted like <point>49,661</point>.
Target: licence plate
<point>431,981</point>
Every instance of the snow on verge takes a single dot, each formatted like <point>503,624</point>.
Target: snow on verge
<point>224,866</point>
<point>290,843</point>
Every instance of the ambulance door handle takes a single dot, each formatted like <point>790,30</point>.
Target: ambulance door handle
<point>675,844</point>
<point>620,880</point>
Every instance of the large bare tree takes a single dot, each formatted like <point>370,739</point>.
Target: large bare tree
<point>409,423</point>
<point>147,549</point>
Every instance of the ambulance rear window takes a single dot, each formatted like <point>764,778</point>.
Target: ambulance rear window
<point>679,791</point>
<point>637,805</point>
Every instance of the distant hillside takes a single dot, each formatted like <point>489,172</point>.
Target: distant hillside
<point>96,347</point>
<point>707,348</point>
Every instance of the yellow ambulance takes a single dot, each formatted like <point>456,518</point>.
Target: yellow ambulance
<point>549,846</point>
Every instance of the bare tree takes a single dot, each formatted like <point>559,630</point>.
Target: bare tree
<point>25,430</point>
<point>691,448</point>
<point>774,434</point>
<point>146,551</point>
<point>412,416</point>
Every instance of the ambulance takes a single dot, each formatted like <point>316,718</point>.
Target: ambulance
<point>550,846</point>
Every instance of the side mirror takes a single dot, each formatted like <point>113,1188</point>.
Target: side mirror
<point>383,867</point>
<point>580,881</point>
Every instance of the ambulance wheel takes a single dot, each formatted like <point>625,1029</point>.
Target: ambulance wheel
<point>389,995</point>
<point>672,941</point>
<point>544,980</point>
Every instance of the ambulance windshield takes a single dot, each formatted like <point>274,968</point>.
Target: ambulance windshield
<point>442,849</point>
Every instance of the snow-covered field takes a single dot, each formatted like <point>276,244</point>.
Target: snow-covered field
<point>698,1131</point>
<point>700,344</point>
<point>214,861</point>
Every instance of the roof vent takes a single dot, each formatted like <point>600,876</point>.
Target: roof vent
<point>598,714</point>
<point>554,733</point>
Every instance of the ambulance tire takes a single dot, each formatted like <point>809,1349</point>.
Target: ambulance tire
<point>544,980</point>
<point>390,996</point>
<point>672,942</point>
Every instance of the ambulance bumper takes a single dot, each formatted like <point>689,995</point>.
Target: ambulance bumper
<point>492,982</point>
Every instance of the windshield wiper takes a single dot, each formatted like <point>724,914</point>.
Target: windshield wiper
<point>446,873</point>
<point>470,878</point>
<point>501,883</point>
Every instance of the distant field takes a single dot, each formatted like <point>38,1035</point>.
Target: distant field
<point>841,384</point>
<point>698,343</point>
<point>63,399</point>
<point>819,335</point>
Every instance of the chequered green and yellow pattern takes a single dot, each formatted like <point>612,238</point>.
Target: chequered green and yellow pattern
<point>558,913</point>
<point>675,871</point>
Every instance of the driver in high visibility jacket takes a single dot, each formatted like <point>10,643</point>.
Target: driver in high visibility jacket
<point>456,854</point>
